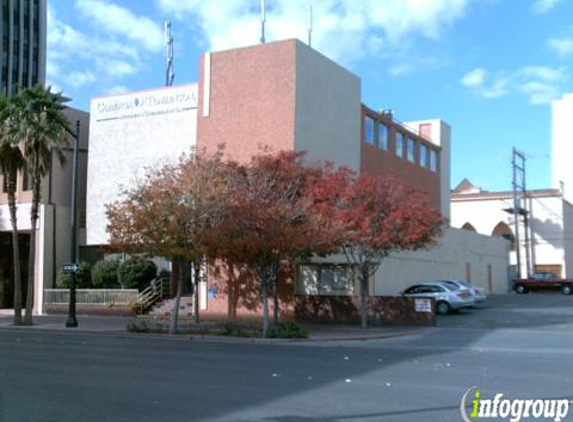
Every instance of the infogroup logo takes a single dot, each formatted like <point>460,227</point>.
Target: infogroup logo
<point>513,410</point>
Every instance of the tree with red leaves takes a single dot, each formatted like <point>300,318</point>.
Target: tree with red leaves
<point>375,217</point>
<point>271,219</point>
<point>171,213</point>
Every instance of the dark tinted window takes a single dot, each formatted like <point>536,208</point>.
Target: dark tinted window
<point>413,289</point>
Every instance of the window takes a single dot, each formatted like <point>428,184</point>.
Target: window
<point>399,144</point>
<point>412,290</point>
<point>333,277</point>
<point>382,136</point>
<point>423,155</point>
<point>369,129</point>
<point>433,160</point>
<point>411,147</point>
<point>26,181</point>
<point>325,279</point>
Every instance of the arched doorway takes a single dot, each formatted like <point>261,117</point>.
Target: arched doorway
<point>503,230</point>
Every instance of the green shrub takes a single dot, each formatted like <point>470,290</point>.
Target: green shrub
<point>136,273</point>
<point>141,326</point>
<point>105,274</point>
<point>83,278</point>
<point>287,329</point>
<point>235,330</point>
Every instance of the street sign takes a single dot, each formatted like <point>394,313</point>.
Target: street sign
<point>423,305</point>
<point>70,268</point>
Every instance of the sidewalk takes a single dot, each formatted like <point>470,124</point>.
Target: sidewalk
<point>117,325</point>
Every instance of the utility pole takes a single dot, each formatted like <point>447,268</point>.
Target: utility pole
<point>519,195</point>
<point>309,25</point>
<point>263,20</point>
<point>169,75</point>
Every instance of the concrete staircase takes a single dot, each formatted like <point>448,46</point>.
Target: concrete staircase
<point>164,309</point>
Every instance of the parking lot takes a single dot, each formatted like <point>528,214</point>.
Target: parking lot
<point>546,311</point>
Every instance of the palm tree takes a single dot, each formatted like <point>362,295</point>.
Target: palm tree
<point>11,161</point>
<point>41,131</point>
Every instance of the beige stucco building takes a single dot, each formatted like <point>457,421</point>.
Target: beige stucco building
<point>54,232</point>
<point>545,240</point>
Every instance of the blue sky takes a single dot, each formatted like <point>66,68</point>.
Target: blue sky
<point>489,68</point>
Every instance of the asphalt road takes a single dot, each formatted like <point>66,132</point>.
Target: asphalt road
<point>61,377</point>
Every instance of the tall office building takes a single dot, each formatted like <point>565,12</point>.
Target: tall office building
<point>23,28</point>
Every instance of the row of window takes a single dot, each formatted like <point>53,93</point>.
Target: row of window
<point>403,145</point>
<point>325,279</point>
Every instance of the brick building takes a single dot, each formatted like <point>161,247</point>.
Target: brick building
<point>285,96</point>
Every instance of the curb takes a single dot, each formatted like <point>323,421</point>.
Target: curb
<point>208,338</point>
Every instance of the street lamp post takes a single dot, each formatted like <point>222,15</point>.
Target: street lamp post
<point>72,321</point>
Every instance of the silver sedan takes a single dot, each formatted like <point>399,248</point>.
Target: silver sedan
<point>448,298</point>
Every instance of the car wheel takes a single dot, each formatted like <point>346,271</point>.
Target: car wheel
<point>520,289</point>
<point>567,289</point>
<point>443,308</point>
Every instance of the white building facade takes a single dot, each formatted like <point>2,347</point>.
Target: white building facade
<point>562,145</point>
<point>130,133</point>
<point>544,235</point>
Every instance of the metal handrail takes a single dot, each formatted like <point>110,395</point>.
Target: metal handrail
<point>157,290</point>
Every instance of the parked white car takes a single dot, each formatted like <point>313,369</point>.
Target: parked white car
<point>479,295</point>
<point>447,297</point>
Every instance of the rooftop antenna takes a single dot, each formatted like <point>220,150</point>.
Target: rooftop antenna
<point>169,75</point>
<point>309,27</point>
<point>263,20</point>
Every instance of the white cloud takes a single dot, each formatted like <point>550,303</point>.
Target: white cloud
<point>474,78</point>
<point>401,69</point>
<point>540,84</point>
<point>539,92</point>
<point>62,39</point>
<point>78,79</point>
<point>104,51</point>
<point>562,46</point>
<point>117,89</point>
<point>117,68</point>
<point>344,30</point>
<point>544,6</point>
<point>543,73</point>
<point>52,67</point>
<point>121,21</point>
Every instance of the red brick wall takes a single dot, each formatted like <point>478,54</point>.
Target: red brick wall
<point>381,310</point>
<point>238,296</point>
<point>252,100</point>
